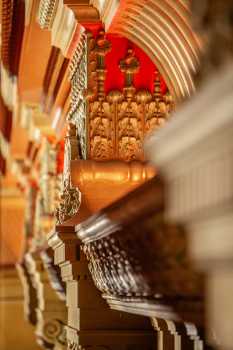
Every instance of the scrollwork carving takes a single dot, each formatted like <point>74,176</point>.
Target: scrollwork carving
<point>112,125</point>
<point>70,197</point>
<point>70,202</point>
<point>119,121</point>
<point>52,329</point>
<point>54,334</point>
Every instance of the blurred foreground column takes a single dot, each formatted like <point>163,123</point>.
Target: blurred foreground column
<point>195,154</point>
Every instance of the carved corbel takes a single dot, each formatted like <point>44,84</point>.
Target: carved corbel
<point>51,311</point>
<point>60,19</point>
<point>30,294</point>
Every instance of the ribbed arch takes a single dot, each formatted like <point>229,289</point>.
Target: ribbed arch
<point>162,29</point>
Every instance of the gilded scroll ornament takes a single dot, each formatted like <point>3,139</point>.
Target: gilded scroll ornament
<point>70,197</point>
<point>69,205</point>
<point>100,119</point>
<point>112,125</point>
<point>52,330</point>
<point>117,122</point>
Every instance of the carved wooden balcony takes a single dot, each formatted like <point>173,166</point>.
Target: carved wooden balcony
<point>138,261</point>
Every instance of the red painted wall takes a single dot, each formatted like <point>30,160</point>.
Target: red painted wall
<point>144,79</point>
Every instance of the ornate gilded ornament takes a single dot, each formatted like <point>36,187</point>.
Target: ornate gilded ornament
<point>70,197</point>
<point>112,126</point>
<point>70,203</point>
<point>118,122</point>
<point>100,124</point>
<point>106,126</point>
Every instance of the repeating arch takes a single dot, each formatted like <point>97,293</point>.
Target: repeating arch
<point>162,29</point>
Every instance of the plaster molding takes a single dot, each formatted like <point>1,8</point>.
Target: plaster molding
<point>60,20</point>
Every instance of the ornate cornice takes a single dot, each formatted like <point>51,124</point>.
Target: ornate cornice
<point>107,10</point>
<point>60,19</point>
<point>46,13</point>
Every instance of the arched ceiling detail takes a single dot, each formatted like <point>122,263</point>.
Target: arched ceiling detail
<point>162,29</point>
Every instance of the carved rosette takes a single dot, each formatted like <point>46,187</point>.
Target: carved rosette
<point>46,13</point>
<point>53,335</point>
